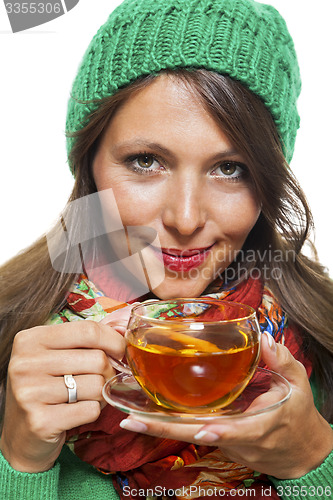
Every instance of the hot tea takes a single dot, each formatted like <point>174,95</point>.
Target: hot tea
<point>188,373</point>
<point>192,355</point>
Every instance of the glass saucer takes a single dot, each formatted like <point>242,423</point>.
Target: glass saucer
<point>265,392</point>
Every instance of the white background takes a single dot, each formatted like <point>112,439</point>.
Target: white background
<point>37,69</point>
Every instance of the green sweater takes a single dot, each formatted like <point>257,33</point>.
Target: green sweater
<point>72,479</point>
<point>69,479</point>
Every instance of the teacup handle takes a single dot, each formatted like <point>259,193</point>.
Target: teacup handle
<point>120,366</point>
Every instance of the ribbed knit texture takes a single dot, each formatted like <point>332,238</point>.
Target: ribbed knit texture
<point>69,479</point>
<point>246,40</point>
<point>23,486</point>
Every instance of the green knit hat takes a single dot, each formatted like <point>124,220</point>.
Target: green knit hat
<point>244,39</point>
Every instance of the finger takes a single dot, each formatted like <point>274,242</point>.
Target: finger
<point>118,324</point>
<point>88,388</point>
<point>54,391</point>
<point>118,317</point>
<point>219,434</point>
<point>164,430</point>
<point>75,362</point>
<point>59,363</point>
<point>279,359</point>
<point>120,327</point>
<point>273,396</point>
<point>237,432</point>
<point>75,414</point>
<point>63,417</point>
<point>79,334</point>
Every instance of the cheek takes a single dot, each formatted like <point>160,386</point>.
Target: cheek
<point>134,202</point>
<point>136,205</point>
<point>240,215</point>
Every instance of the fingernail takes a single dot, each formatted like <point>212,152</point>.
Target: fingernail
<point>207,437</point>
<point>133,425</point>
<point>271,341</point>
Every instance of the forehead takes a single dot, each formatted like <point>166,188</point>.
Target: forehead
<point>168,108</point>
<point>169,89</point>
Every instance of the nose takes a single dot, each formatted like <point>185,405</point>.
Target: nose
<point>184,207</point>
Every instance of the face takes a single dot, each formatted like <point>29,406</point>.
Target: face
<point>171,168</point>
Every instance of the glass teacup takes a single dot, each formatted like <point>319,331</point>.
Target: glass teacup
<point>192,355</point>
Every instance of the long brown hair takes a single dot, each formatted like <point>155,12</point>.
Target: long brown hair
<point>31,289</point>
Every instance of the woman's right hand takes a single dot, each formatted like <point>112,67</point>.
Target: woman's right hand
<point>37,413</point>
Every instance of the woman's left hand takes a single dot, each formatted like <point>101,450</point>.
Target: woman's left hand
<point>286,443</point>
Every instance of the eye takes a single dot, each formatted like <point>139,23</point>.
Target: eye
<point>230,170</point>
<point>145,161</point>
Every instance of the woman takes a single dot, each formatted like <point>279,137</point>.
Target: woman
<point>182,118</point>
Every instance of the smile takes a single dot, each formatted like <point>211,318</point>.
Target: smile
<point>184,260</point>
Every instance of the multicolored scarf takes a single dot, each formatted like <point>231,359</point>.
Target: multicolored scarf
<point>144,464</point>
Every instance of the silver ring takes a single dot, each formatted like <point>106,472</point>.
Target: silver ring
<point>71,386</point>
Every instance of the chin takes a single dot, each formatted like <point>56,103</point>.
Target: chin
<point>170,289</point>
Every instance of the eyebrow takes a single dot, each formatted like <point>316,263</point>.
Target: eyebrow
<point>141,143</point>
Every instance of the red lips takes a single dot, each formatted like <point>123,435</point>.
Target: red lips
<point>183,260</point>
